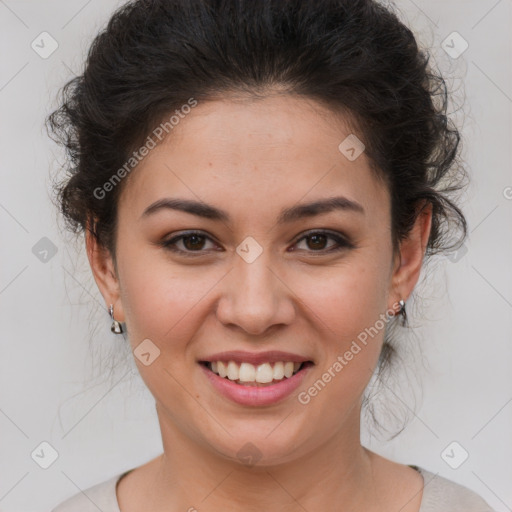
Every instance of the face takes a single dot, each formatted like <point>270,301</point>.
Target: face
<point>263,275</point>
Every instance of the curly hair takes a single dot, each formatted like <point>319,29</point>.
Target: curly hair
<point>354,56</point>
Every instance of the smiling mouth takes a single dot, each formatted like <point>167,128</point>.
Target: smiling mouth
<point>247,374</point>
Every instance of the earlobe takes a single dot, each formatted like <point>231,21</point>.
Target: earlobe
<point>411,253</point>
<point>104,273</point>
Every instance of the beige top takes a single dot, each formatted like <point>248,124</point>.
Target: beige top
<point>439,495</point>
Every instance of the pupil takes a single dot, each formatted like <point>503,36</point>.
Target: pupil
<point>196,239</point>
<point>315,239</point>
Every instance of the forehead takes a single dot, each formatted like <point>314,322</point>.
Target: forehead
<point>265,152</point>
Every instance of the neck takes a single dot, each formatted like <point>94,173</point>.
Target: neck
<point>190,475</point>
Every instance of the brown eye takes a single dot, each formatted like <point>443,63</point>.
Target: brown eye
<point>317,241</point>
<point>188,243</point>
<point>193,242</point>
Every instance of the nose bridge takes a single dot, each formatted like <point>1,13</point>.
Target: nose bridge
<point>255,298</point>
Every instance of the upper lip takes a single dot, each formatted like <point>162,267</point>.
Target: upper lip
<point>241,356</point>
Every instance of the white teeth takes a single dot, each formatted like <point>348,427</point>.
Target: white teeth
<point>221,369</point>
<point>233,371</point>
<point>264,373</point>
<point>247,372</point>
<point>278,370</point>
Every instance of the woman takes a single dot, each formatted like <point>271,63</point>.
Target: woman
<point>259,184</point>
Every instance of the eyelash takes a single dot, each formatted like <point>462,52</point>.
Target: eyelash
<point>342,242</point>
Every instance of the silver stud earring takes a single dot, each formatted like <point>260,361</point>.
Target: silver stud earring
<point>116,326</point>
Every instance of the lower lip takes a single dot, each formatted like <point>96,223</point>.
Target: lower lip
<point>253,395</point>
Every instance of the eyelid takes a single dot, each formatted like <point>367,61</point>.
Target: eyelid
<point>342,240</point>
<point>170,244</point>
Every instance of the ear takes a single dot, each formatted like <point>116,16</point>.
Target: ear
<point>104,272</point>
<point>408,261</point>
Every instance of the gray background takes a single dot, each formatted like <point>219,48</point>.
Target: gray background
<point>66,380</point>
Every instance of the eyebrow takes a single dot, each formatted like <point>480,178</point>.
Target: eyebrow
<point>287,215</point>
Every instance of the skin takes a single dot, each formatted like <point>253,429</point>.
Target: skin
<point>252,158</point>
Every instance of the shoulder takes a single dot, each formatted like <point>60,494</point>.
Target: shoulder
<point>101,496</point>
<point>443,495</point>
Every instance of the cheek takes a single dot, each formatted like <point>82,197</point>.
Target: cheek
<point>162,304</point>
<point>346,310</point>
<point>345,300</point>
<point>160,299</point>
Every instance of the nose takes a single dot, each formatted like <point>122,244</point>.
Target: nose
<point>256,297</point>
